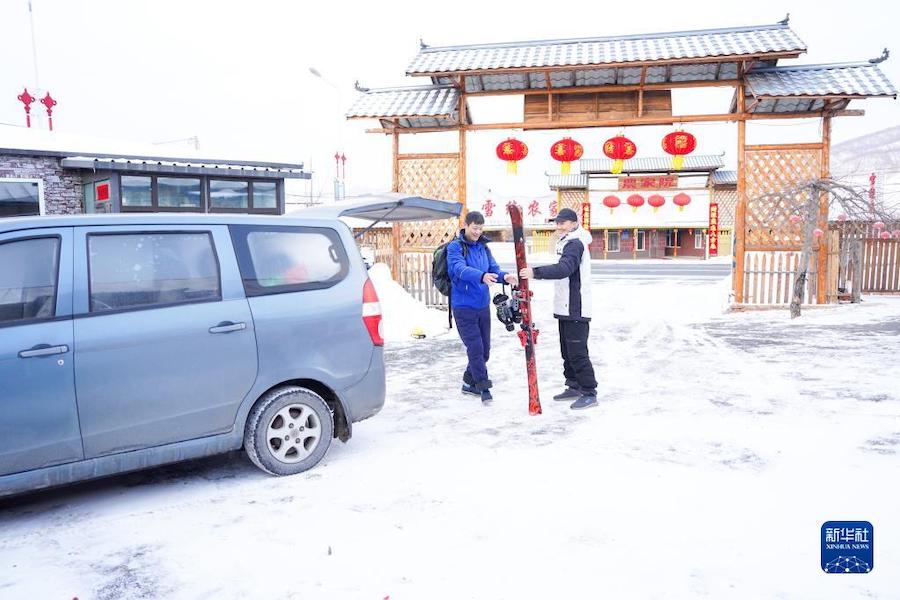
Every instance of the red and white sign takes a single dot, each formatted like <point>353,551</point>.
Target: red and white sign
<point>713,229</point>
<point>586,215</point>
<point>102,192</point>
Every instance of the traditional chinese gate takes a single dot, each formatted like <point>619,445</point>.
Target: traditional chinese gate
<point>628,81</point>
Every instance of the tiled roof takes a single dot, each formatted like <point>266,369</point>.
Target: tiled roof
<point>585,52</point>
<point>418,106</point>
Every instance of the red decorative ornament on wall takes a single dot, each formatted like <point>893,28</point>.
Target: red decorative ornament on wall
<point>678,144</point>
<point>612,203</point>
<point>681,200</point>
<point>656,201</point>
<point>49,103</point>
<point>26,99</point>
<point>512,151</point>
<point>619,149</point>
<point>565,151</point>
<point>635,201</point>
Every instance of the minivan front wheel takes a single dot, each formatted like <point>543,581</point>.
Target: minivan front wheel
<point>288,431</point>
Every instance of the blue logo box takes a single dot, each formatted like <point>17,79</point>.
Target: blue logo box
<point>847,547</point>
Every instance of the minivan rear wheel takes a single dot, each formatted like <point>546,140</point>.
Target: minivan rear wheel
<point>288,431</point>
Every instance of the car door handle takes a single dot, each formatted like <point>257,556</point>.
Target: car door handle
<point>43,350</point>
<point>227,327</point>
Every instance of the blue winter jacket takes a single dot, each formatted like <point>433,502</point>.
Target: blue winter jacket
<point>467,289</point>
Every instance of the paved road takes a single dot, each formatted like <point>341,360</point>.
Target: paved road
<point>681,270</point>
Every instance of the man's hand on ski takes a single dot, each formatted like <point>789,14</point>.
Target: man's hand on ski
<point>489,278</point>
<point>527,273</point>
<point>511,279</point>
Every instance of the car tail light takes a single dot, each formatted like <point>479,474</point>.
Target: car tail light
<point>371,313</point>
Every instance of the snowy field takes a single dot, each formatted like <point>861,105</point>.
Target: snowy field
<point>721,444</point>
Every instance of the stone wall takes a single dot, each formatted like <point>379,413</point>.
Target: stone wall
<point>63,193</point>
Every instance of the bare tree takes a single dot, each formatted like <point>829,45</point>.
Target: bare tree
<point>856,213</point>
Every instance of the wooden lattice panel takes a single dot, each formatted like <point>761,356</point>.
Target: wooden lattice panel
<point>727,200</point>
<point>773,171</point>
<point>572,199</point>
<point>436,178</point>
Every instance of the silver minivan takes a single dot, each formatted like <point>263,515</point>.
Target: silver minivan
<point>129,341</point>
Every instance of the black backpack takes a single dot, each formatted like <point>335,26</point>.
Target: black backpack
<point>439,274</point>
<point>441,277</point>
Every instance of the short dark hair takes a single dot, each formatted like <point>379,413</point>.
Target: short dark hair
<point>474,217</point>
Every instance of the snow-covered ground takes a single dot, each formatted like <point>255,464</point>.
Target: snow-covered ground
<point>721,445</point>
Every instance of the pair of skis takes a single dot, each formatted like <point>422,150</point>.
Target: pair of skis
<point>527,334</point>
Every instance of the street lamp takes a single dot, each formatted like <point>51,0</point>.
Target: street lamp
<point>339,157</point>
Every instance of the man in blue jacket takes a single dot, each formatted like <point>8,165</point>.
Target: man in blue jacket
<point>472,269</point>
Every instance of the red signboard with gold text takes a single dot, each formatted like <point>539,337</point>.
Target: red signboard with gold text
<point>713,229</point>
<point>656,182</point>
<point>586,215</point>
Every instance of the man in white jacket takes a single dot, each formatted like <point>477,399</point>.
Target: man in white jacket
<point>572,307</point>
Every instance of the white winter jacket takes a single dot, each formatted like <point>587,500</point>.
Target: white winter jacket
<point>572,295</point>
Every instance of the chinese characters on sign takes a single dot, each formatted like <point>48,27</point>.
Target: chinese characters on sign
<point>847,547</point>
<point>534,209</point>
<point>554,207</point>
<point>488,208</point>
<point>648,183</point>
<point>847,534</point>
<point>713,229</point>
<point>586,215</point>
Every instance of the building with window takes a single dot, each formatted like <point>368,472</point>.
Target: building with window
<point>58,174</point>
<point>650,210</point>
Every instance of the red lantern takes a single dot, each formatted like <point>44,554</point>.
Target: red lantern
<point>885,235</point>
<point>842,217</point>
<point>656,201</point>
<point>818,232</point>
<point>635,201</point>
<point>611,202</point>
<point>794,219</point>
<point>619,149</point>
<point>681,200</point>
<point>566,150</point>
<point>512,151</point>
<point>878,225</point>
<point>678,144</point>
<point>895,233</point>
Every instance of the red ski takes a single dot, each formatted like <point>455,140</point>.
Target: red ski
<point>527,334</point>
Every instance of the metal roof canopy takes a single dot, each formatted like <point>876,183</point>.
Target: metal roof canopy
<point>693,165</point>
<point>188,167</point>
<point>389,207</point>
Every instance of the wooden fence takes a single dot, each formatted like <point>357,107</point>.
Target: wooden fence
<point>415,277</point>
<point>769,278</point>
<point>879,268</point>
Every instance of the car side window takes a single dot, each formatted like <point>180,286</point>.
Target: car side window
<point>282,259</point>
<point>144,270</point>
<point>28,275</point>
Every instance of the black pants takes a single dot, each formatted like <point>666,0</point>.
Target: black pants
<point>577,367</point>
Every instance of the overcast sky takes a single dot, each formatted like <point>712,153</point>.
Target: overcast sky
<point>236,73</point>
